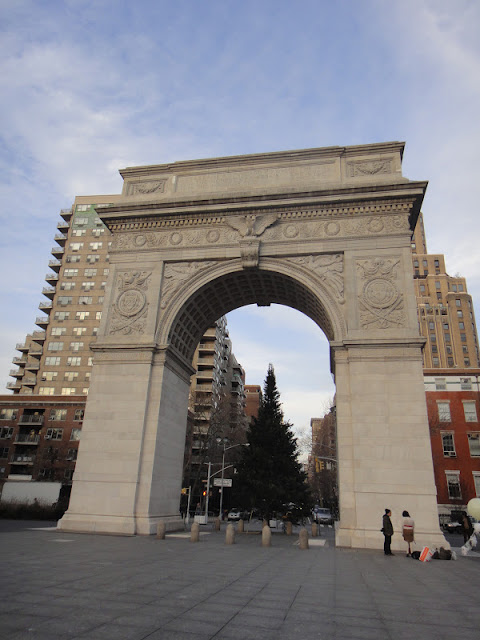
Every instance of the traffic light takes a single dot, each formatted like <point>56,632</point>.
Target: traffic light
<point>319,465</point>
<point>204,493</point>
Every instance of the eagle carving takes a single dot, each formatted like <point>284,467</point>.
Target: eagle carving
<point>251,225</point>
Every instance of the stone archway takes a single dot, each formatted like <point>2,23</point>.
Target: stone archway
<point>326,231</point>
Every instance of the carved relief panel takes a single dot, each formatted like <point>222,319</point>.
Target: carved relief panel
<point>380,300</point>
<point>130,307</point>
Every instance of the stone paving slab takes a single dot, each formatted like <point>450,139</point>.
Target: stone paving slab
<point>64,586</point>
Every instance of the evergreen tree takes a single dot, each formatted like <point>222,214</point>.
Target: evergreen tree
<point>269,474</point>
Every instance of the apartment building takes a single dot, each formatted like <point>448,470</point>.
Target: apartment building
<point>453,406</point>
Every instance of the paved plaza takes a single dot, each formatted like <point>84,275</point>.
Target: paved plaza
<point>59,586</point>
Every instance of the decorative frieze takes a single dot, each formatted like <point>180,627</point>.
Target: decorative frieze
<point>369,167</point>
<point>145,187</point>
<point>380,302</point>
<point>130,309</point>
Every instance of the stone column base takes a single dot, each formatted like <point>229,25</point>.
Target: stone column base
<point>119,526</point>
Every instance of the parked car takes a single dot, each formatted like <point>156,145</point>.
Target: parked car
<point>322,515</point>
<point>234,514</point>
<point>456,523</point>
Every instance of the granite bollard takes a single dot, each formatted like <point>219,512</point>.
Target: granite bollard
<point>195,532</point>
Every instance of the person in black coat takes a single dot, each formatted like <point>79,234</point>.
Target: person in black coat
<point>387,531</point>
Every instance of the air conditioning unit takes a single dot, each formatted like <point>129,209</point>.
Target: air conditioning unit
<point>48,437</point>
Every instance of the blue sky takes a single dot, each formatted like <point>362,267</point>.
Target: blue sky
<point>89,87</point>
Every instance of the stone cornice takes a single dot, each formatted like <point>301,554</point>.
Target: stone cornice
<point>340,201</point>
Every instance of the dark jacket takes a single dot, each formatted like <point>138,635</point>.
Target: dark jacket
<point>387,526</point>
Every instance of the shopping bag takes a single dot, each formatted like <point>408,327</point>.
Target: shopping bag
<point>426,554</point>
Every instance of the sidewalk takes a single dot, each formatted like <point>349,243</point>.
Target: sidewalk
<point>57,586</point>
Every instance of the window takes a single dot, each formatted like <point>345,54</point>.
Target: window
<point>85,391</point>
<point>61,315</point>
<point>465,349</point>
<point>461,325</point>
<point>82,315</point>
<point>453,485</point>
<point>79,222</point>
<point>76,246</point>
<point>460,287</point>
<point>82,207</point>
<point>436,263</point>
<point>70,273</point>
<point>434,348</point>
<point>465,384</point>
<point>90,273</point>
<point>68,391</point>
<point>106,272</point>
<point>450,362</point>
<point>433,337</point>
<point>103,284</point>
<point>431,325</point>
<point>449,349</point>
<point>90,361</point>
<point>78,232</point>
<point>437,285</point>
<point>79,331</point>
<point>470,411</point>
<point>88,286</point>
<point>67,286</point>
<point>94,331</point>
<point>72,454</point>
<point>46,391</point>
<point>70,376</point>
<point>76,346</point>
<point>98,315</point>
<point>85,299</point>
<point>448,445</point>
<point>58,414</point>
<point>92,258</point>
<point>466,362</point>
<point>463,337</point>
<point>444,411</point>
<point>78,416</point>
<point>447,337</point>
<point>95,246</point>
<point>8,414</point>
<point>74,361</point>
<point>460,313</point>
<point>440,384</point>
<point>75,433</point>
<point>97,232</point>
<point>46,473</point>
<point>87,375</point>
<point>422,288</point>
<point>474,444</point>
<point>6,433</point>
<point>476,481</point>
<point>458,302</point>
<point>72,259</point>
<point>49,375</point>
<point>58,331</point>
<point>68,474</point>
<point>55,346</point>
<point>64,300</point>
<point>439,295</point>
<point>4,452</point>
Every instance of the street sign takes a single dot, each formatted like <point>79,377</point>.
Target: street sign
<point>218,482</point>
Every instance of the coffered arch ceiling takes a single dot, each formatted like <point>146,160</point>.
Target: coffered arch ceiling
<point>237,289</point>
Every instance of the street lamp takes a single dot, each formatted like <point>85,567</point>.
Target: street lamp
<point>225,448</point>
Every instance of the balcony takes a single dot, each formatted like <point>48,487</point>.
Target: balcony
<point>60,238</point>
<point>45,306</point>
<point>57,251</point>
<point>21,346</point>
<point>36,351</point>
<point>55,265</point>
<point>39,336</point>
<point>66,214</point>
<point>26,438</point>
<point>42,321</point>
<point>19,459</point>
<point>63,226</point>
<point>49,292</point>
<point>17,373</point>
<point>13,385</point>
<point>32,419</point>
<point>32,366</point>
<point>20,361</point>
<point>51,277</point>
<point>29,382</point>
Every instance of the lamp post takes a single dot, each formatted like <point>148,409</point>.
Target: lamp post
<point>225,448</point>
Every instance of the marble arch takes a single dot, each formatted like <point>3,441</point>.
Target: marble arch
<point>326,231</point>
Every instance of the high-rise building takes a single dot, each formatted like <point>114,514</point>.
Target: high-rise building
<point>54,366</point>
<point>445,310</point>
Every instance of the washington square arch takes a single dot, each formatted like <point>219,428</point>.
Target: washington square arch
<point>326,231</point>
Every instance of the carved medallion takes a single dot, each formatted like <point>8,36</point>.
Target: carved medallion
<point>131,307</point>
<point>381,303</point>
